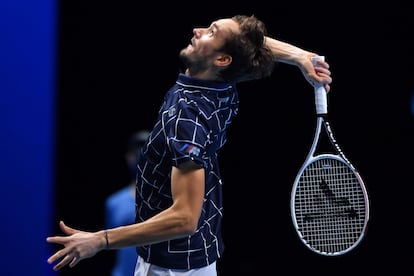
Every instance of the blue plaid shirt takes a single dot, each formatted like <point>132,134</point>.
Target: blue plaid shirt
<point>191,125</point>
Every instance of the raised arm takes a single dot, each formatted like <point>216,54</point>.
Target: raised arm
<point>291,54</point>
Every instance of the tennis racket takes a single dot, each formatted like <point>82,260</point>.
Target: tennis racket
<point>329,202</point>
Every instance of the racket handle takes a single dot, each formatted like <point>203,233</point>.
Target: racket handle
<point>321,103</point>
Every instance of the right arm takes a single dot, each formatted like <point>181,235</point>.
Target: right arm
<point>293,55</point>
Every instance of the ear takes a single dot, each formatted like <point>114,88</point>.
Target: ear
<point>223,60</point>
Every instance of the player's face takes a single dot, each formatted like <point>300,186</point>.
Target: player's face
<point>206,43</point>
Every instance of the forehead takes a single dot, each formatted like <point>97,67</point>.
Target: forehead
<point>226,25</point>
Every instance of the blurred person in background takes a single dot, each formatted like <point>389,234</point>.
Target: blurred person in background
<point>120,206</point>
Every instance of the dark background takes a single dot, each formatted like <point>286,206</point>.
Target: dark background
<point>117,59</point>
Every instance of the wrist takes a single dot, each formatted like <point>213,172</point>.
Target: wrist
<point>106,240</point>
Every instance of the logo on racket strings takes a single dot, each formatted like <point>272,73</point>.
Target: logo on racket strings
<point>329,205</point>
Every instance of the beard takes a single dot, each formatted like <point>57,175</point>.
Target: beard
<point>193,63</point>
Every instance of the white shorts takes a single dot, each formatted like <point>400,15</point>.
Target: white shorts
<point>143,268</point>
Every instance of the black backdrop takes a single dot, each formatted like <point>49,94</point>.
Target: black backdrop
<point>117,60</point>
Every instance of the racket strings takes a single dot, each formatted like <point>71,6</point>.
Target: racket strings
<point>330,206</point>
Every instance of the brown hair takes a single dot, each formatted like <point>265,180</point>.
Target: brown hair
<point>251,59</point>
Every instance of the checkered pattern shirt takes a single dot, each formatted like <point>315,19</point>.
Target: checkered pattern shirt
<point>191,125</point>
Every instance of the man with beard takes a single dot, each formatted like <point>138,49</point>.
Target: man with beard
<point>179,206</point>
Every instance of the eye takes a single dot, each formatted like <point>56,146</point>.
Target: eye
<point>210,32</point>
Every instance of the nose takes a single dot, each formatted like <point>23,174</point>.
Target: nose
<point>198,32</point>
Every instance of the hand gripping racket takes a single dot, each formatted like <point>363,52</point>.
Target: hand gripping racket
<point>329,202</point>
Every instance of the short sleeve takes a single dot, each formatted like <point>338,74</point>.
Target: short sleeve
<point>187,136</point>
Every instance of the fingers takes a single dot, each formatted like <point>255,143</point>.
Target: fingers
<point>327,87</point>
<point>70,259</point>
<point>65,229</point>
<point>67,256</point>
<point>324,70</point>
<point>57,256</point>
<point>62,263</point>
<point>59,240</point>
<point>323,75</point>
<point>74,261</point>
<point>319,73</point>
<point>322,64</point>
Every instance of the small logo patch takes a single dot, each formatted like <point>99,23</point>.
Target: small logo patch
<point>191,149</point>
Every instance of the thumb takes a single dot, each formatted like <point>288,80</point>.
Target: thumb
<point>66,229</point>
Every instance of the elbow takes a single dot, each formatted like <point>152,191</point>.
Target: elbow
<point>188,225</point>
<point>186,220</point>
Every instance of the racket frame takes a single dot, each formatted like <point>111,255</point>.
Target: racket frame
<point>322,122</point>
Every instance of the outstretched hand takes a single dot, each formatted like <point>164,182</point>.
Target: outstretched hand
<point>78,245</point>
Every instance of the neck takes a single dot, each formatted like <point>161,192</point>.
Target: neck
<point>206,75</point>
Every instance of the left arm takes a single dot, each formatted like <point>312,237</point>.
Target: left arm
<point>179,220</point>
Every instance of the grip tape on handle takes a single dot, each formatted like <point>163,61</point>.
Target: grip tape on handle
<point>321,102</point>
